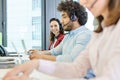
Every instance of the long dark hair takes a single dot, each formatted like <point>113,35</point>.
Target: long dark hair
<point>52,36</point>
<point>114,15</point>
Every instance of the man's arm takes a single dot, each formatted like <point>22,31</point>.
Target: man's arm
<point>49,57</point>
<point>42,56</point>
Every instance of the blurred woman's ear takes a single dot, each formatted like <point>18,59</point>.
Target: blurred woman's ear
<point>83,2</point>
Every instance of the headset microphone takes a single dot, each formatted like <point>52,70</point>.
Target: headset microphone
<point>67,23</point>
<point>73,17</point>
<point>93,3</point>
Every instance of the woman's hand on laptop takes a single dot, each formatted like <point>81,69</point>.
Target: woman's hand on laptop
<point>22,71</point>
<point>24,77</point>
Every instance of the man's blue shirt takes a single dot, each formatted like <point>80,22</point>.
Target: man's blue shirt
<point>73,43</point>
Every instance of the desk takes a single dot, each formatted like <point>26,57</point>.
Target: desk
<point>16,60</point>
<point>37,75</point>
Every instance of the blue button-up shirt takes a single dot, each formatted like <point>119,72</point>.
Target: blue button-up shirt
<point>73,43</point>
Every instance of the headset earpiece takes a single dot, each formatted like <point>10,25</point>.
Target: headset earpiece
<point>73,17</point>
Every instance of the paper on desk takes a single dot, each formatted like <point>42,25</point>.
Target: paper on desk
<point>6,63</point>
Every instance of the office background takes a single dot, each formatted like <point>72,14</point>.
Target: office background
<point>28,20</point>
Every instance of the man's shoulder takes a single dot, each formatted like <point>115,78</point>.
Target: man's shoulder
<point>85,32</point>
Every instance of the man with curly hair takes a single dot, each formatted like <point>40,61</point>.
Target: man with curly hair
<point>73,19</point>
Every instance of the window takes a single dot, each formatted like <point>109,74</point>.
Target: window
<point>24,23</point>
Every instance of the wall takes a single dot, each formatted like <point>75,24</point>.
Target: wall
<point>0,22</point>
<point>0,15</point>
<point>51,11</point>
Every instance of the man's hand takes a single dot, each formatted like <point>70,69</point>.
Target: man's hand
<point>35,51</point>
<point>36,56</point>
<point>42,56</point>
<point>47,52</point>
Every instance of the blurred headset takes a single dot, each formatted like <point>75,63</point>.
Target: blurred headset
<point>73,17</point>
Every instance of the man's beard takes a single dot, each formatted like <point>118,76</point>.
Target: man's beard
<point>68,27</point>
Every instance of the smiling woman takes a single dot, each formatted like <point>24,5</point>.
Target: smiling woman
<point>56,33</point>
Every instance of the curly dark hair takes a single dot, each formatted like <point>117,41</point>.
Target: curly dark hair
<point>52,36</point>
<point>73,7</point>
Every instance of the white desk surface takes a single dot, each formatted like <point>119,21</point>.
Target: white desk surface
<point>37,75</point>
<point>34,74</point>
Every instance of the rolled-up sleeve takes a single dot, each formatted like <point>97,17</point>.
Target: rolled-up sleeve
<point>77,69</point>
